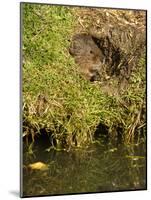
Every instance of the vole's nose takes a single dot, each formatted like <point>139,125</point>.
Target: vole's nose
<point>95,76</point>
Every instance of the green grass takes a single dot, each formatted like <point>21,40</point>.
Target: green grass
<point>55,96</point>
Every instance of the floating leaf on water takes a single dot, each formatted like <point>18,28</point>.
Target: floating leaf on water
<point>137,166</point>
<point>112,150</point>
<point>38,166</point>
<point>135,157</point>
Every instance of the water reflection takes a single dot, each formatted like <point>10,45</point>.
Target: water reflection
<point>97,169</point>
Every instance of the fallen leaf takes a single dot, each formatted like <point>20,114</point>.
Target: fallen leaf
<point>38,166</point>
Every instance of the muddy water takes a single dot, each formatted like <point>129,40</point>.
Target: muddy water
<point>101,167</point>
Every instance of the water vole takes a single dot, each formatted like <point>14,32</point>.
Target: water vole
<point>87,55</point>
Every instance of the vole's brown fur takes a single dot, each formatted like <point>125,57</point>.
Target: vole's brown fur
<point>87,55</point>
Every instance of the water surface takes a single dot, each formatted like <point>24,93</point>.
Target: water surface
<point>99,168</point>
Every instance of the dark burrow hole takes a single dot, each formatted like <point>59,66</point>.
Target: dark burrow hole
<point>42,140</point>
<point>111,56</point>
<point>102,133</point>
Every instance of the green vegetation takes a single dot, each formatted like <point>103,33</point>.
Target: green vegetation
<point>56,98</point>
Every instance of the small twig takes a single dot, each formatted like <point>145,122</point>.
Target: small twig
<point>80,22</point>
<point>134,125</point>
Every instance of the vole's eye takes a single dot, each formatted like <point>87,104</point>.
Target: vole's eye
<point>91,51</point>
